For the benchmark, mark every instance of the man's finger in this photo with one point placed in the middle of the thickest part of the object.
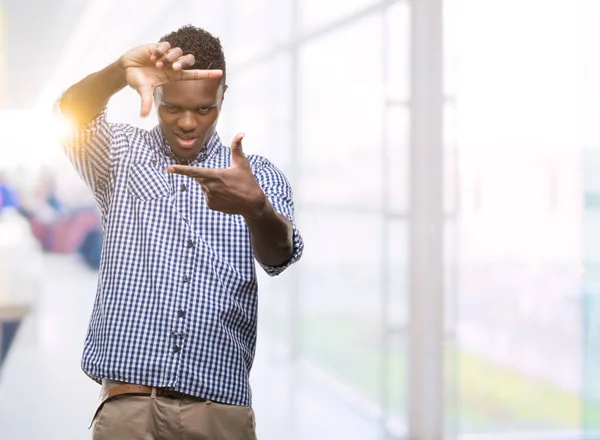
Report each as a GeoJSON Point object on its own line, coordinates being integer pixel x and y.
{"type": "Point", "coordinates": [194, 172]}
{"type": "Point", "coordinates": [171, 56]}
{"type": "Point", "coordinates": [187, 75]}
{"type": "Point", "coordinates": [183, 62]}
{"type": "Point", "coordinates": [160, 50]}
{"type": "Point", "coordinates": [146, 94]}
{"type": "Point", "coordinates": [237, 154]}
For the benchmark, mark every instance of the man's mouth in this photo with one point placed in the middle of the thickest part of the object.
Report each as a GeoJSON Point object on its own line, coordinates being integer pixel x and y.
{"type": "Point", "coordinates": [186, 141]}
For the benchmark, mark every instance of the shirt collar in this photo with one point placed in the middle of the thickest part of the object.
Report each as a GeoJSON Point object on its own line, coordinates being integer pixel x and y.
{"type": "Point", "coordinates": [210, 147]}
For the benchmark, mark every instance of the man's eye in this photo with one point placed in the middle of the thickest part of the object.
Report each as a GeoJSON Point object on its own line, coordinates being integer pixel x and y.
{"type": "Point", "coordinates": [170, 108]}
{"type": "Point", "coordinates": [204, 110]}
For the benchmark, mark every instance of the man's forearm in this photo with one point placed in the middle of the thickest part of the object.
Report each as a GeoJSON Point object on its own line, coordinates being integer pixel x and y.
{"type": "Point", "coordinates": [272, 237]}
{"type": "Point", "coordinates": [84, 100]}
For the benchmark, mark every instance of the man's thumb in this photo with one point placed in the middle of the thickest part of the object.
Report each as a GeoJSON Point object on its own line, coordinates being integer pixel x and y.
{"type": "Point", "coordinates": [237, 154]}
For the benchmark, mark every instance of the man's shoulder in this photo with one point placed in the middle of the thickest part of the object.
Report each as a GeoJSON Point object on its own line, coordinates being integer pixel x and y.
{"type": "Point", "coordinates": [264, 166]}
{"type": "Point", "coordinates": [140, 136]}
{"type": "Point", "coordinates": [258, 161]}
{"type": "Point", "coordinates": [141, 130]}
{"type": "Point", "coordinates": [266, 171]}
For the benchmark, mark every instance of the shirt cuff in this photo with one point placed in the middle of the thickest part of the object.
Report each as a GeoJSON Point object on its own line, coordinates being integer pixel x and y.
{"type": "Point", "coordinates": [298, 249]}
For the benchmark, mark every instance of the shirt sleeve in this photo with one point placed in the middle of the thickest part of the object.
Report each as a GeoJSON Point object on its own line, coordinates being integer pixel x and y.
{"type": "Point", "coordinates": [279, 192]}
{"type": "Point", "coordinates": [94, 149]}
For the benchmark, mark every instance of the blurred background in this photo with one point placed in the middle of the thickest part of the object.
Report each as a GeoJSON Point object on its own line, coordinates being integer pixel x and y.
{"type": "Point", "coordinates": [445, 158]}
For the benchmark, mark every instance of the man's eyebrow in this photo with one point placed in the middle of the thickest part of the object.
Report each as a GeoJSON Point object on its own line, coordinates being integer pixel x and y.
{"type": "Point", "coordinates": [170, 104]}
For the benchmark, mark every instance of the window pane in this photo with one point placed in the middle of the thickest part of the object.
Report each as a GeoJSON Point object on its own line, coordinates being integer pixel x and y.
{"type": "Point", "coordinates": [397, 275]}
{"type": "Point", "coordinates": [591, 327]}
{"type": "Point", "coordinates": [451, 161]}
{"type": "Point", "coordinates": [315, 13]}
{"type": "Point", "coordinates": [397, 52]}
{"type": "Point", "coordinates": [451, 290]}
{"type": "Point", "coordinates": [258, 104]}
{"type": "Point", "coordinates": [395, 351]}
{"type": "Point", "coordinates": [520, 226]}
{"type": "Point", "coordinates": [591, 279]}
{"type": "Point", "coordinates": [591, 293]}
{"type": "Point", "coordinates": [255, 27]}
{"type": "Point", "coordinates": [397, 160]}
{"type": "Point", "coordinates": [520, 338]}
{"type": "Point", "coordinates": [340, 292]}
{"type": "Point", "coordinates": [452, 22]}
{"type": "Point", "coordinates": [341, 117]}
{"type": "Point", "coordinates": [397, 394]}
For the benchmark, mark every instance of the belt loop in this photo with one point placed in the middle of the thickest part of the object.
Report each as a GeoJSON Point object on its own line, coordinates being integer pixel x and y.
{"type": "Point", "coordinates": [153, 394]}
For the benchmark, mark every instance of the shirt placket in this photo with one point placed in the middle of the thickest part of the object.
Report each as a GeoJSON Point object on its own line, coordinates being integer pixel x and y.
{"type": "Point", "coordinates": [186, 277]}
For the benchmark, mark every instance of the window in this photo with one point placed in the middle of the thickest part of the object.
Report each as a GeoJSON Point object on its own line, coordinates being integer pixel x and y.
{"type": "Point", "coordinates": [341, 121]}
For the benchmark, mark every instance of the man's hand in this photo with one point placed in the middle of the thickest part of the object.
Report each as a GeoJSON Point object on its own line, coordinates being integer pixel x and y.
{"type": "Point", "coordinates": [233, 190]}
{"type": "Point", "coordinates": [147, 67]}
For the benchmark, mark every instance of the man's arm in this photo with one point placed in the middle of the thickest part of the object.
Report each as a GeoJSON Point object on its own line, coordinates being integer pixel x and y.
{"type": "Point", "coordinates": [272, 237]}
{"type": "Point", "coordinates": [90, 145]}
{"type": "Point", "coordinates": [143, 68]}
{"type": "Point", "coordinates": [83, 101]}
{"type": "Point", "coordinates": [264, 200]}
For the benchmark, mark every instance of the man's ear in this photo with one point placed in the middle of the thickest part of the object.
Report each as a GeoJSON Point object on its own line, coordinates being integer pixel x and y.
{"type": "Point", "coordinates": [157, 95]}
{"type": "Point", "coordinates": [225, 87]}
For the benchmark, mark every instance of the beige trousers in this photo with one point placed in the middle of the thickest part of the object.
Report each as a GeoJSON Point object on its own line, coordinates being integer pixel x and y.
{"type": "Point", "coordinates": [135, 417]}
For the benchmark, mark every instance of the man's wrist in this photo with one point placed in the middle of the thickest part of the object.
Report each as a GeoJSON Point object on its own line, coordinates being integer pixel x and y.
{"type": "Point", "coordinates": [119, 73]}
{"type": "Point", "coordinates": [259, 209]}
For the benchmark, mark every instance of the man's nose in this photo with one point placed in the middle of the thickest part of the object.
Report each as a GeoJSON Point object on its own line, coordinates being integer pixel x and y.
{"type": "Point", "coordinates": [187, 121]}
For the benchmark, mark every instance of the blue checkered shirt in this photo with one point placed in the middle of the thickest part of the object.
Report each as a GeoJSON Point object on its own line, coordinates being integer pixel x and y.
{"type": "Point", "coordinates": [176, 304]}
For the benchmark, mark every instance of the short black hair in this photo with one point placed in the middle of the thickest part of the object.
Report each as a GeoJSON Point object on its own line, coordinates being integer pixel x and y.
{"type": "Point", "coordinates": [205, 47]}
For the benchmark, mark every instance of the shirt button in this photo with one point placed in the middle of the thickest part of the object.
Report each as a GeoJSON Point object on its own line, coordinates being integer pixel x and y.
{"type": "Point", "coordinates": [181, 313]}
{"type": "Point", "coordinates": [183, 187]}
{"type": "Point", "coordinates": [190, 243]}
{"type": "Point", "coordinates": [186, 279]}
{"type": "Point", "coordinates": [176, 349]}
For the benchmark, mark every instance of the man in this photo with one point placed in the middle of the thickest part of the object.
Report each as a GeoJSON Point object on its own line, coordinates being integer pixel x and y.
{"type": "Point", "coordinates": [173, 330]}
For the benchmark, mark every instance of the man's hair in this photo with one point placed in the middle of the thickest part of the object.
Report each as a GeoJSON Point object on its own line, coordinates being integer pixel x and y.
{"type": "Point", "coordinates": [205, 47]}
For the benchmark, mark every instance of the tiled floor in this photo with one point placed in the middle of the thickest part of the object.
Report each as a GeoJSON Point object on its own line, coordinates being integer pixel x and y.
{"type": "Point", "coordinates": [44, 395]}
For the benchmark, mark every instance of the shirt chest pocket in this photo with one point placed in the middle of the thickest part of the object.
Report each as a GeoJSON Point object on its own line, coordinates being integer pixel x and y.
{"type": "Point", "coordinates": [147, 182]}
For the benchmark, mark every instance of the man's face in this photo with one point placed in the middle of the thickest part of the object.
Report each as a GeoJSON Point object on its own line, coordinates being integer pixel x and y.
{"type": "Point", "coordinates": [188, 112]}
